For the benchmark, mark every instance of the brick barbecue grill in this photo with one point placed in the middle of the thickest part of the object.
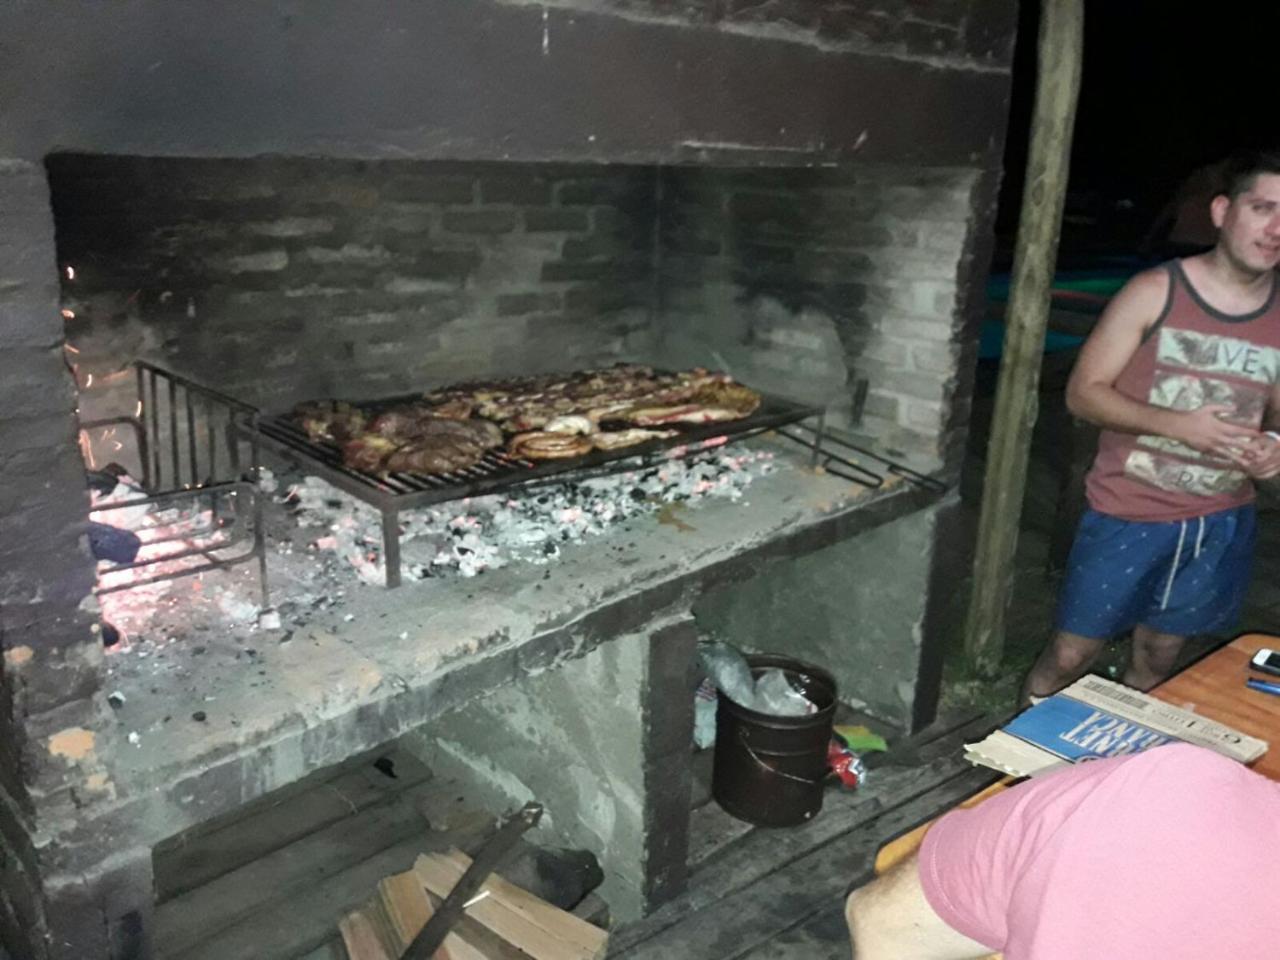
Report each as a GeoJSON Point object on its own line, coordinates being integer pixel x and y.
{"type": "Point", "coordinates": [283, 201]}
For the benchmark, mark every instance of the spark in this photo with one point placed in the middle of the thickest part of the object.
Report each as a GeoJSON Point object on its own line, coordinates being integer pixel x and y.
{"type": "Point", "coordinates": [69, 314]}
{"type": "Point", "coordinates": [86, 450]}
{"type": "Point", "coordinates": [88, 381]}
{"type": "Point", "coordinates": [69, 348]}
{"type": "Point", "coordinates": [71, 272]}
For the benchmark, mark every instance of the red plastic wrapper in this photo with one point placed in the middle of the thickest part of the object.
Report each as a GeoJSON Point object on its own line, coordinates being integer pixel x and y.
{"type": "Point", "coordinates": [845, 764]}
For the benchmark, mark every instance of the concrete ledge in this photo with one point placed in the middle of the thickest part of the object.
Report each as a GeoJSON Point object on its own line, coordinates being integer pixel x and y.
{"type": "Point", "coordinates": [339, 688]}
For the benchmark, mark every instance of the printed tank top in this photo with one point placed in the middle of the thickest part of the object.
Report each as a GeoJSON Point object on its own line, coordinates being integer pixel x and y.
{"type": "Point", "coordinates": [1193, 356]}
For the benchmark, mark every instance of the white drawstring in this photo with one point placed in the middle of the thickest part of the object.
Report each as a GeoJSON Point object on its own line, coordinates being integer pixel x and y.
{"type": "Point", "coordinates": [1199, 539]}
{"type": "Point", "coordinates": [1177, 555]}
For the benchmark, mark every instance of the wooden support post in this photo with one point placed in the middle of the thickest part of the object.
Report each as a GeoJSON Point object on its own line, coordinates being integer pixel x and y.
{"type": "Point", "coordinates": [1057, 87]}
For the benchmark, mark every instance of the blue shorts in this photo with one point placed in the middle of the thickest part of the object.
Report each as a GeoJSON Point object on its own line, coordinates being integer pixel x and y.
{"type": "Point", "coordinates": [1185, 577]}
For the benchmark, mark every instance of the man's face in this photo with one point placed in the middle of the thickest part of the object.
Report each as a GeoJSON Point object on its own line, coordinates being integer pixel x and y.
{"type": "Point", "coordinates": [1249, 225]}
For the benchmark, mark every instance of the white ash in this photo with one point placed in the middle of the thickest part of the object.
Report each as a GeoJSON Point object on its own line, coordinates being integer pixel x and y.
{"type": "Point", "coordinates": [472, 535]}
{"type": "Point", "coordinates": [322, 545]}
{"type": "Point", "coordinates": [165, 528]}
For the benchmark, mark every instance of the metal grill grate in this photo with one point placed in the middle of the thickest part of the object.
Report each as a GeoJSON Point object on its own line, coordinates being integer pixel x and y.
{"type": "Point", "coordinates": [188, 444]}
{"type": "Point", "coordinates": [496, 472]}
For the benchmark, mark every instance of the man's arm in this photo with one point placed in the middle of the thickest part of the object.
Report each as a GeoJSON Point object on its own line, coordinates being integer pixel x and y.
{"type": "Point", "coordinates": [890, 919]}
{"type": "Point", "coordinates": [1091, 392]}
{"type": "Point", "coordinates": [1264, 454]}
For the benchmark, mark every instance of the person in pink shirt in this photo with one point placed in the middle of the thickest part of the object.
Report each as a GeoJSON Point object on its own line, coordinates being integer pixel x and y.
{"type": "Point", "coordinates": [1170, 854]}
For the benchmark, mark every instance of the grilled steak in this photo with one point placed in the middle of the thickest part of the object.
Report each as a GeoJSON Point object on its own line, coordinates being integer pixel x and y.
{"type": "Point", "coordinates": [552, 416]}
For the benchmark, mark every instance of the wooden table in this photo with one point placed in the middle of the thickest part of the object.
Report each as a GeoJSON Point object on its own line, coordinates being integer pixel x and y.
{"type": "Point", "coordinates": [1214, 687]}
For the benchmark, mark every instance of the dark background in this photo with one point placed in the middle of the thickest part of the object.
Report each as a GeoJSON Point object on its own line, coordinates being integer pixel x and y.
{"type": "Point", "coordinates": [1166, 87]}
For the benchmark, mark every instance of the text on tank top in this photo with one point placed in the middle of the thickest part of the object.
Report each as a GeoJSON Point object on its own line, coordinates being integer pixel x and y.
{"type": "Point", "coordinates": [1193, 356]}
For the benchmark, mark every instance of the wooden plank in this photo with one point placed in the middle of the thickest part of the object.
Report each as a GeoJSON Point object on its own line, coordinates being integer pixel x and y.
{"type": "Point", "coordinates": [331, 949]}
{"type": "Point", "coordinates": [824, 936]}
{"type": "Point", "coordinates": [407, 905]}
{"type": "Point", "coordinates": [481, 938]}
{"type": "Point", "coordinates": [764, 851]}
{"type": "Point", "coordinates": [404, 906]}
{"type": "Point", "coordinates": [286, 816]}
{"type": "Point", "coordinates": [263, 886]}
{"type": "Point", "coordinates": [305, 920]}
{"type": "Point", "coordinates": [899, 848]}
{"type": "Point", "coordinates": [1061, 43]}
{"type": "Point", "coordinates": [712, 831]}
{"type": "Point", "coordinates": [399, 909]}
{"type": "Point", "coordinates": [588, 938]}
{"type": "Point", "coordinates": [362, 938]}
{"type": "Point", "coordinates": [1215, 688]}
{"type": "Point", "coordinates": [749, 917]}
{"type": "Point", "coordinates": [306, 861]}
{"type": "Point", "coordinates": [537, 928]}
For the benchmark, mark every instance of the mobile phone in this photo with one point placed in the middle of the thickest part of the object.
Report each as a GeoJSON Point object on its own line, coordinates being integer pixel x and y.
{"type": "Point", "coordinates": [1266, 661]}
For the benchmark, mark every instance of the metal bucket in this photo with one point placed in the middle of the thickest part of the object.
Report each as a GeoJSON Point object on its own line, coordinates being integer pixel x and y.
{"type": "Point", "coordinates": [770, 770]}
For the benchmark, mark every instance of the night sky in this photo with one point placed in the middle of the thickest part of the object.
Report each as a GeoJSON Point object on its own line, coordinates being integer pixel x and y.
{"type": "Point", "coordinates": [1165, 89]}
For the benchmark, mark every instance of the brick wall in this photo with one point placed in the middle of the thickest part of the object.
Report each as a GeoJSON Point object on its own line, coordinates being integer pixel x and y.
{"type": "Point", "coordinates": [279, 280]}
{"type": "Point", "coordinates": [50, 668]}
{"type": "Point", "coordinates": [812, 282]}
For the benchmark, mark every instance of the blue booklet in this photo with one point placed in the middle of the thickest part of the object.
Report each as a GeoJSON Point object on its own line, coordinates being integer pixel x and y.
{"type": "Point", "coordinates": [1096, 718]}
{"type": "Point", "coordinates": [1076, 731]}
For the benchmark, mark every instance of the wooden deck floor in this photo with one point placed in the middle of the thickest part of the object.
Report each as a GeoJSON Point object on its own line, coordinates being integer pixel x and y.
{"type": "Point", "coordinates": [272, 883]}
{"type": "Point", "coordinates": [779, 894]}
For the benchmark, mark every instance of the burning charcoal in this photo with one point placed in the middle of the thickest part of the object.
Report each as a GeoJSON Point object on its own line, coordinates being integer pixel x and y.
{"type": "Point", "coordinates": [112, 543]}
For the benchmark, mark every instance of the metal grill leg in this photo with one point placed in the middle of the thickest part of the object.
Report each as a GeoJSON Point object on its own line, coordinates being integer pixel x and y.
{"type": "Point", "coordinates": [391, 546]}
{"type": "Point", "coordinates": [817, 440]}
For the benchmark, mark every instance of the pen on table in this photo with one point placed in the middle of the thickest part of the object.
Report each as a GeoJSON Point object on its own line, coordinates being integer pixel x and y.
{"type": "Point", "coordinates": [1255, 684]}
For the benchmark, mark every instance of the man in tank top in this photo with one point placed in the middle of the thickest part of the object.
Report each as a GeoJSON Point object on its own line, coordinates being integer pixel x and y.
{"type": "Point", "coordinates": [1181, 374]}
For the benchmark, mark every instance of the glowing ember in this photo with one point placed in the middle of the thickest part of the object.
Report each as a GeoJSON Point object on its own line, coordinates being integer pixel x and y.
{"type": "Point", "coordinates": [69, 314]}
{"type": "Point", "coordinates": [71, 272]}
{"type": "Point", "coordinates": [164, 531]}
{"type": "Point", "coordinates": [483, 533]}
{"type": "Point", "coordinates": [323, 544]}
